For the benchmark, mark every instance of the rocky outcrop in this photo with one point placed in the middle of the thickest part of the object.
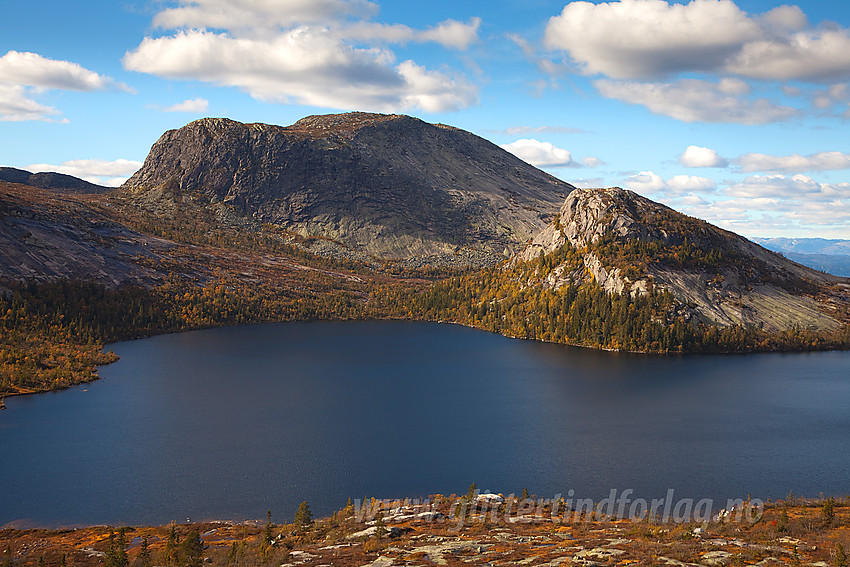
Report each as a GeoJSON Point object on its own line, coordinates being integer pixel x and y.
{"type": "Point", "coordinates": [585, 217]}
{"type": "Point", "coordinates": [389, 185]}
{"type": "Point", "coordinates": [735, 281]}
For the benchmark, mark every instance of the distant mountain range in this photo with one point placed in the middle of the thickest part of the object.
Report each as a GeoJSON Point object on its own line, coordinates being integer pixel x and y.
{"type": "Point", "coordinates": [823, 246]}
{"type": "Point", "coordinates": [828, 255]}
{"type": "Point", "coordinates": [50, 180]}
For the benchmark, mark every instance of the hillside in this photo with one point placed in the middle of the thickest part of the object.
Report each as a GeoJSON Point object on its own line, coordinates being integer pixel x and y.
{"type": "Point", "coordinates": [46, 236]}
{"type": "Point", "coordinates": [75, 274]}
{"type": "Point", "coordinates": [617, 271]}
{"type": "Point", "coordinates": [207, 234]}
{"type": "Point", "coordinates": [490, 529]}
{"type": "Point", "coordinates": [390, 186]}
{"type": "Point", "coordinates": [629, 243]}
{"type": "Point", "coordinates": [58, 182]}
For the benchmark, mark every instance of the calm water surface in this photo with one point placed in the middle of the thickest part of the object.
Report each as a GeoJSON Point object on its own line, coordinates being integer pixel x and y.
{"type": "Point", "coordinates": [227, 423]}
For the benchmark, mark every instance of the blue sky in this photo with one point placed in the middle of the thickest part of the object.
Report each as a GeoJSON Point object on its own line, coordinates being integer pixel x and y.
{"type": "Point", "coordinates": [736, 112]}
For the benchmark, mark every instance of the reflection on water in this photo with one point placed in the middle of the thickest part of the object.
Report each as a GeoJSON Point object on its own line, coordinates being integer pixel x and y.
{"type": "Point", "coordinates": [227, 423]}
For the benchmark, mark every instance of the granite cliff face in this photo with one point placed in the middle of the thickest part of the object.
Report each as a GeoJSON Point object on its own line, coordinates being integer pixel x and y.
{"type": "Point", "coordinates": [388, 185]}
{"type": "Point", "coordinates": [630, 244]}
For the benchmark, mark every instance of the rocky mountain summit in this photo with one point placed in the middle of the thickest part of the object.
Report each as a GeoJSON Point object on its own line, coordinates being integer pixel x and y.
{"type": "Point", "coordinates": [391, 186]}
{"type": "Point", "coordinates": [630, 243]}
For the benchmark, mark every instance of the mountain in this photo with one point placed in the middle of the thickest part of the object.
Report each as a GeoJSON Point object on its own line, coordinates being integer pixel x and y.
{"type": "Point", "coordinates": [390, 186]}
{"type": "Point", "coordinates": [58, 182]}
{"type": "Point", "coordinates": [629, 243]}
{"type": "Point", "coordinates": [835, 264]}
{"type": "Point", "coordinates": [822, 246]}
{"type": "Point", "coordinates": [827, 255]}
{"type": "Point", "coordinates": [617, 271]}
{"type": "Point", "coordinates": [365, 216]}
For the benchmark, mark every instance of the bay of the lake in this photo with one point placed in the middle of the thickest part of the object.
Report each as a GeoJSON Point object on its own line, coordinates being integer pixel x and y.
{"type": "Point", "coordinates": [227, 423]}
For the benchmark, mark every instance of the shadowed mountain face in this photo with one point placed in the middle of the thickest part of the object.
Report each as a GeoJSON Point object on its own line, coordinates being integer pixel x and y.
{"type": "Point", "coordinates": [388, 185]}
{"type": "Point", "coordinates": [58, 182]}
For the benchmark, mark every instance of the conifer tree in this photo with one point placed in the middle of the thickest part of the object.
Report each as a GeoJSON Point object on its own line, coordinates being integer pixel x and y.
{"type": "Point", "coordinates": [144, 553]}
{"type": "Point", "coordinates": [233, 556]}
{"type": "Point", "coordinates": [192, 550]}
{"type": "Point", "coordinates": [840, 556]}
{"type": "Point", "coordinates": [172, 552]}
{"type": "Point", "coordinates": [121, 559]}
{"type": "Point", "coordinates": [303, 516]}
{"type": "Point", "coordinates": [266, 544]}
{"type": "Point", "coordinates": [783, 521]}
{"type": "Point", "coordinates": [828, 511]}
{"type": "Point", "coordinates": [380, 527]}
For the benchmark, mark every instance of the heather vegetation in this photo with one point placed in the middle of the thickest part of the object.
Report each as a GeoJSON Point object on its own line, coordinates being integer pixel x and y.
{"type": "Point", "coordinates": [469, 530]}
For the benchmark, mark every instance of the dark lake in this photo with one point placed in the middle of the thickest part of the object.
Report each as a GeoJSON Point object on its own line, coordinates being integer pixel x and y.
{"type": "Point", "coordinates": [227, 423]}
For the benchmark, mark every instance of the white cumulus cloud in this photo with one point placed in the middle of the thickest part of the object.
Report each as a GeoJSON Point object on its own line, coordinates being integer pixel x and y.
{"type": "Point", "coordinates": [778, 205]}
{"type": "Point", "coordinates": [325, 53]}
{"type": "Point", "coordinates": [33, 70]}
{"type": "Point", "coordinates": [820, 161]}
{"type": "Point", "coordinates": [646, 183]}
{"type": "Point", "coordinates": [452, 33]}
{"type": "Point", "coordinates": [634, 39]}
{"type": "Point", "coordinates": [648, 52]}
{"type": "Point", "coordinates": [540, 154]}
{"type": "Point", "coordinates": [101, 172]}
{"type": "Point", "coordinates": [794, 187]}
{"type": "Point", "coordinates": [195, 105]}
{"type": "Point", "coordinates": [649, 183]}
{"type": "Point", "coordinates": [591, 161]}
{"type": "Point", "coordinates": [698, 156]}
{"type": "Point", "coordinates": [689, 184]}
{"type": "Point", "coordinates": [648, 39]}
{"type": "Point", "coordinates": [18, 105]}
{"type": "Point", "coordinates": [696, 100]}
{"type": "Point", "coordinates": [255, 16]}
{"type": "Point", "coordinates": [25, 75]}
{"type": "Point", "coordinates": [815, 55]}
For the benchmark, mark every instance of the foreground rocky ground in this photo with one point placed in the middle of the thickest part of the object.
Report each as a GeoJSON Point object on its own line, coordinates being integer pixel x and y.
{"type": "Point", "coordinates": [812, 533]}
